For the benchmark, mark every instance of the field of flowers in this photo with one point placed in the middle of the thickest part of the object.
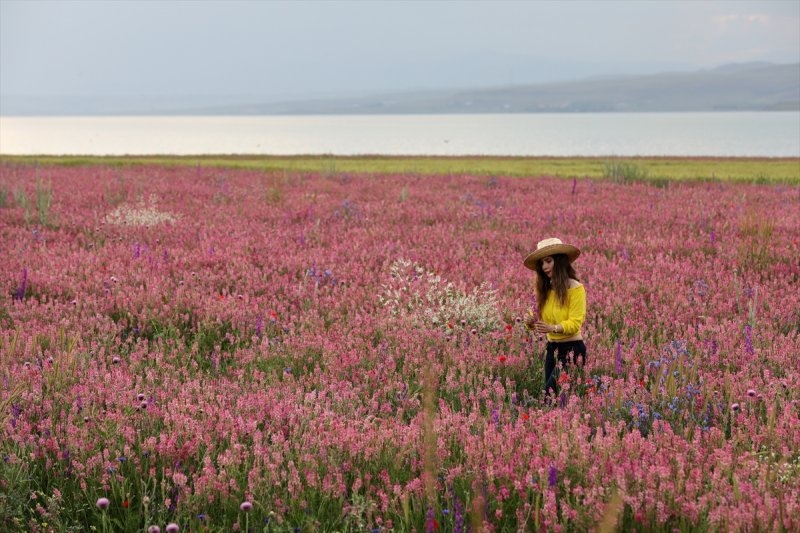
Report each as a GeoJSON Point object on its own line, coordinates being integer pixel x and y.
{"type": "Point", "coordinates": [195, 349]}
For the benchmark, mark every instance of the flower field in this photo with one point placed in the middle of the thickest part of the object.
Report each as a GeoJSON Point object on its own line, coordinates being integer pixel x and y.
{"type": "Point", "coordinates": [196, 349]}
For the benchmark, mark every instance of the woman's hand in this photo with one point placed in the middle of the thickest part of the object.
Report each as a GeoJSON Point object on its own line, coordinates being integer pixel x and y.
{"type": "Point", "coordinates": [542, 327]}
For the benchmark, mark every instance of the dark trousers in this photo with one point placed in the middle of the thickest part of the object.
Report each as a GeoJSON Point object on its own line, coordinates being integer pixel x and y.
{"type": "Point", "coordinates": [562, 351]}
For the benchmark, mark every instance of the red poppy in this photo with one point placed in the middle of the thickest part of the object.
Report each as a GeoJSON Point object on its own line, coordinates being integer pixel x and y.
{"type": "Point", "coordinates": [525, 416]}
{"type": "Point", "coordinates": [563, 378]}
{"type": "Point", "coordinates": [502, 358]}
{"type": "Point", "coordinates": [509, 327]}
{"type": "Point", "coordinates": [125, 504]}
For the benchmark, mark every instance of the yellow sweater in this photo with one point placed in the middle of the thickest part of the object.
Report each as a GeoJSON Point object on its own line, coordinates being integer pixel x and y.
{"type": "Point", "coordinates": [570, 316]}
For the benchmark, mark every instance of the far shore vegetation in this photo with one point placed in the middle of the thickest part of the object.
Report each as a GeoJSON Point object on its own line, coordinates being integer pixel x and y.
{"type": "Point", "coordinates": [784, 170]}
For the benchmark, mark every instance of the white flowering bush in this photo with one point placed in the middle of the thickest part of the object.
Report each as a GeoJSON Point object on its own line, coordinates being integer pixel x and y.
{"type": "Point", "coordinates": [139, 215]}
{"type": "Point", "coordinates": [426, 299]}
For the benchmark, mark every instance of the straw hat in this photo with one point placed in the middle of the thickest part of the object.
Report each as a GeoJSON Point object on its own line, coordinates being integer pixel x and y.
{"type": "Point", "coordinates": [548, 247]}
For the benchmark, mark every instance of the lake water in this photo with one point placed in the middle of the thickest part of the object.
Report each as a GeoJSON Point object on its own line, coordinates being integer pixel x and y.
{"type": "Point", "coordinates": [751, 134]}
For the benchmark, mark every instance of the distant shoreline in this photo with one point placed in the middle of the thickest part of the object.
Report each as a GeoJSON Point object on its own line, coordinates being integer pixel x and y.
{"type": "Point", "coordinates": [365, 113]}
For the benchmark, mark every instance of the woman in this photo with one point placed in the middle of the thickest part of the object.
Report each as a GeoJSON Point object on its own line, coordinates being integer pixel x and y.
{"type": "Point", "coordinates": [561, 301]}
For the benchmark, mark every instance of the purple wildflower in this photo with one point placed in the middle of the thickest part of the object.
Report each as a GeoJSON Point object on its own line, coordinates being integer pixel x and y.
{"type": "Point", "coordinates": [16, 410]}
{"type": "Point", "coordinates": [748, 339]}
{"type": "Point", "coordinates": [458, 516]}
{"type": "Point", "coordinates": [562, 400]}
{"type": "Point", "coordinates": [19, 294]}
{"type": "Point", "coordinates": [430, 521]}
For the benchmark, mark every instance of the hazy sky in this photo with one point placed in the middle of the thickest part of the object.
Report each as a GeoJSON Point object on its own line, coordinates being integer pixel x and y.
{"type": "Point", "coordinates": [278, 49]}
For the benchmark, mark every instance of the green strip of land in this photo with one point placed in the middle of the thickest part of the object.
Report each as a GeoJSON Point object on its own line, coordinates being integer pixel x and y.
{"type": "Point", "coordinates": [658, 169]}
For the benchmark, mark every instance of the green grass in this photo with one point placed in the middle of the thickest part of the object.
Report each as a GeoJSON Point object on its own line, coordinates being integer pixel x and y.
{"type": "Point", "coordinates": [656, 169]}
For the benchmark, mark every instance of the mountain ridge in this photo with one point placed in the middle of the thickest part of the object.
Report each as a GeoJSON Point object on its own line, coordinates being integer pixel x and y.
{"type": "Point", "coordinates": [754, 86]}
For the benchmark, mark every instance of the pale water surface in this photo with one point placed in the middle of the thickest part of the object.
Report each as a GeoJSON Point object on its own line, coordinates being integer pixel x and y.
{"type": "Point", "coordinates": [757, 134]}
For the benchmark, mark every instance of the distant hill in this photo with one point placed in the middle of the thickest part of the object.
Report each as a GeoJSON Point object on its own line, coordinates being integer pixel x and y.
{"type": "Point", "coordinates": [742, 87]}
{"type": "Point", "coordinates": [735, 87]}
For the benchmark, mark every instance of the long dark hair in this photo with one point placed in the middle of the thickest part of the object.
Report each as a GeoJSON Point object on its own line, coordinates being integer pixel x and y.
{"type": "Point", "coordinates": [562, 273]}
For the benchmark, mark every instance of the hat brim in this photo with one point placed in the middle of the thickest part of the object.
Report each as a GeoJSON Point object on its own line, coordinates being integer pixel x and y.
{"type": "Point", "coordinates": [570, 251]}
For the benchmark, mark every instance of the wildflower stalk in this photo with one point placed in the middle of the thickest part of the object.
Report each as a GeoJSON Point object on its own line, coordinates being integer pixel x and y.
{"type": "Point", "coordinates": [22, 200]}
{"type": "Point", "coordinates": [44, 198]}
{"type": "Point", "coordinates": [429, 437]}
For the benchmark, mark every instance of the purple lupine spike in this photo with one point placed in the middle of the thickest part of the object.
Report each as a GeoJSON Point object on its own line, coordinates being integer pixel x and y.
{"type": "Point", "coordinates": [458, 516]}
{"type": "Point", "coordinates": [748, 339]}
{"type": "Point", "coordinates": [15, 412]}
{"type": "Point", "coordinates": [552, 476]}
{"type": "Point", "coordinates": [19, 294]}
{"type": "Point", "coordinates": [562, 400]}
